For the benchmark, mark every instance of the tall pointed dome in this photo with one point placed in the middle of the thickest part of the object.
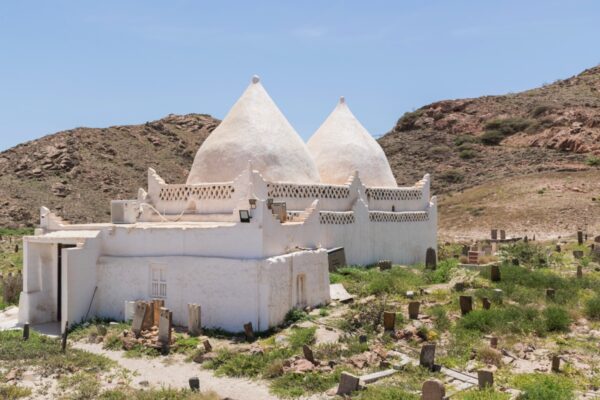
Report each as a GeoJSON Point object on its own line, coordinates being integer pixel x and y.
{"type": "Point", "coordinates": [342, 146]}
{"type": "Point", "coordinates": [254, 130]}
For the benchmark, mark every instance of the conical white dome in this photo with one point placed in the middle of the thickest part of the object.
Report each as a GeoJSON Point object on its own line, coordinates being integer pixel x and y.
{"type": "Point", "coordinates": [254, 130]}
{"type": "Point", "coordinates": [342, 146]}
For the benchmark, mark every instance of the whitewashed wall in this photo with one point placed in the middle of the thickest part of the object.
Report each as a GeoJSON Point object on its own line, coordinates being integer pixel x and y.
{"type": "Point", "coordinates": [231, 292]}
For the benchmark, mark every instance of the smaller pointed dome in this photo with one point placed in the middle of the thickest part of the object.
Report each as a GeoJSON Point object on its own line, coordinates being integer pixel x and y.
{"type": "Point", "coordinates": [254, 130]}
{"type": "Point", "coordinates": [342, 146]}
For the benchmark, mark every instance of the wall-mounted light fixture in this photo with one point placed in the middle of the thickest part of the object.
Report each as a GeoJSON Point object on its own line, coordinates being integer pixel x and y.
{"type": "Point", "coordinates": [245, 216]}
{"type": "Point", "coordinates": [252, 203]}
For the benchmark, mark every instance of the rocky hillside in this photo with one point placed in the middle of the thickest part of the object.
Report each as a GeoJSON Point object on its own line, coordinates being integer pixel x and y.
{"type": "Point", "coordinates": [465, 143]}
{"type": "Point", "coordinates": [549, 136]}
{"type": "Point", "coordinates": [77, 172]}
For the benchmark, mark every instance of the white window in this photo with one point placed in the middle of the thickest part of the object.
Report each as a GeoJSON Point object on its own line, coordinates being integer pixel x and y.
{"type": "Point", "coordinates": [158, 280]}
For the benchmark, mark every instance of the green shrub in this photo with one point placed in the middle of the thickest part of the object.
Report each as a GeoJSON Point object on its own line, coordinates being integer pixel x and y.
{"type": "Point", "coordinates": [487, 394]}
{"type": "Point", "coordinates": [492, 138]}
{"type": "Point", "coordinates": [544, 387]}
{"type": "Point", "coordinates": [301, 336]}
{"type": "Point", "coordinates": [508, 126]}
{"type": "Point", "coordinates": [593, 161]}
{"type": "Point", "coordinates": [451, 176]}
{"type": "Point", "coordinates": [380, 392]}
{"type": "Point", "coordinates": [465, 139]}
{"type": "Point", "coordinates": [440, 318]}
{"type": "Point", "coordinates": [295, 315]}
{"type": "Point", "coordinates": [12, 392]}
{"type": "Point", "coordinates": [592, 308]}
{"type": "Point", "coordinates": [557, 319]}
{"type": "Point", "coordinates": [442, 273]}
{"type": "Point", "coordinates": [541, 109]}
{"type": "Point", "coordinates": [527, 253]}
{"type": "Point", "coordinates": [296, 385]}
{"type": "Point", "coordinates": [467, 154]}
{"type": "Point", "coordinates": [510, 319]}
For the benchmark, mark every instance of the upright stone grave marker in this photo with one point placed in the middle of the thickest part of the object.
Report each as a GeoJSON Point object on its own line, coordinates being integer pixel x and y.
{"type": "Point", "coordinates": [389, 320]}
{"type": "Point", "coordinates": [384, 265]}
{"type": "Point", "coordinates": [427, 356]}
{"type": "Point", "coordinates": [348, 383]}
{"type": "Point", "coordinates": [502, 234]}
{"type": "Point", "coordinates": [485, 378]}
{"type": "Point", "coordinates": [194, 319]}
{"type": "Point", "coordinates": [555, 363]}
{"type": "Point", "coordinates": [433, 390]}
{"type": "Point", "coordinates": [494, 234]}
{"type": "Point", "coordinates": [248, 331]}
{"type": "Point", "coordinates": [430, 259]}
{"type": "Point", "coordinates": [413, 309]}
{"type": "Point", "coordinates": [164, 327]}
{"type": "Point", "coordinates": [495, 273]}
{"type": "Point", "coordinates": [579, 271]}
{"type": "Point", "coordinates": [157, 304]}
{"type": "Point", "coordinates": [466, 304]}
{"type": "Point", "coordinates": [139, 315]}
{"type": "Point", "coordinates": [580, 237]}
{"type": "Point", "coordinates": [485, 303]}
{"type": "Point", "coordinates": [308, 354]}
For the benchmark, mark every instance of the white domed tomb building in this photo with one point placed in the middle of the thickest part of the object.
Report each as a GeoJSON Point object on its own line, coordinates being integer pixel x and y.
{"type": "Point", "coordinates": [246, 237]}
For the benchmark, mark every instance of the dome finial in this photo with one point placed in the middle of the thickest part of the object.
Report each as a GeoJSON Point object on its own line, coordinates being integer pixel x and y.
{"type": "Point", "coordinates": [255, 79]}
{"type": "Point", "coordinates": [342, 99]}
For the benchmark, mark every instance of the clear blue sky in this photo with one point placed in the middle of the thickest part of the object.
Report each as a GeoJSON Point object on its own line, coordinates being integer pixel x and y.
{"type": "Point", "coordinates": [65, 64]}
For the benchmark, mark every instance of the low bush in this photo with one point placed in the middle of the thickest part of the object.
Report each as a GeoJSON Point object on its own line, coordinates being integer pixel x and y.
{"type": "Point", "coordinates": [452, 176]}
{"type": "Point", "coordinates": [463, 139]}
{"type": "Point", "coordinates": [13, 392]}
{"type": "Point", "coordinates": [487, 394]}
{"type": "Point", "coordinates": [467, 154]}
{"type": "Point", "coordinates": [510, 319]}
{"type": "Point", "coordinates": [380, 392]}
{"type": "Point", "coordinates": [544, 387]}
{"type": "Point", "coordinates": [296, 385]}
{"type": "Point", "coordinates": [593, 161]}
{"type": "Point", "coordinates": [295, 315]}
{"type": "Point", "coordinates": [492, 138]}
{"type": "Point", "coordinates": [13, 351]}
{"type": "Point", "coordinates": [592, 308]}
{"type": "Point", "coordinates": [557, 319]}
{"type": "Point", "coordinates": [508, 126]}
{"type": "Point", "coordinates": [442, 273]}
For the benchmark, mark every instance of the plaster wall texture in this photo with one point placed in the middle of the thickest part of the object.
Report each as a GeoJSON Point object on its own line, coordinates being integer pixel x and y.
{"type": "Point", "coordinates": [38, 301]}
{"type": "Point", "coordinates": [254, 130]}
{"type": "Point", "coordinates": [231, 292]}
{"type": "Point", "coordinates": [342, 146]}
{"type": "Point", "coordinates": [232, 240]}
{"type": "Point", "coordinates": [79, 281]}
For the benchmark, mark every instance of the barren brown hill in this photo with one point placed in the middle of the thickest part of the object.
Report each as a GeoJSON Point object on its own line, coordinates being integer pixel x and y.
{"type": "Point", "coordinates": [77, 172]}
{"type": "Point", "coordinates": [495, 161]}
{"type": "Point", "coordinates": [527, 162]}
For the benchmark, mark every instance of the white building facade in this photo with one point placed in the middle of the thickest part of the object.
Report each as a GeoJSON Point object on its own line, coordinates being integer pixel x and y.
{"type": "Point", "coordinates": [246, 237]}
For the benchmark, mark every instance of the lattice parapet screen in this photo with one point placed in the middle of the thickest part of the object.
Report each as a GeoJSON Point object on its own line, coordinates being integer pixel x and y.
{"type": "Point", "coordinates": [412, 216]}
{"type": "Point", "coordinates": [394, 194]}
{"type": "Point", "coordinates": [338, 218]}
{"type": "Point", "coordinates": [204, 192]}
{"type": "Point", "coordinates": [289, 190]}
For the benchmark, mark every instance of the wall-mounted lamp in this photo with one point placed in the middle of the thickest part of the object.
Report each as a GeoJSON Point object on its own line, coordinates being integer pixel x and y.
{"type": "Point", "coordinates": [245, 216]}
{"type": "Point", "coordinates": [252, 203]}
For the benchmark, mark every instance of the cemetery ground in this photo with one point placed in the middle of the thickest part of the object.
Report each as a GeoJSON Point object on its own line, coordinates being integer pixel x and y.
{"type": "Point", "coordinates": [515, 333]}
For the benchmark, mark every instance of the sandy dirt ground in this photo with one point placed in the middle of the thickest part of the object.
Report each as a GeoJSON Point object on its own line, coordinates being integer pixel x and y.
{"type": "Point", "coordinates": [174, 372]}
